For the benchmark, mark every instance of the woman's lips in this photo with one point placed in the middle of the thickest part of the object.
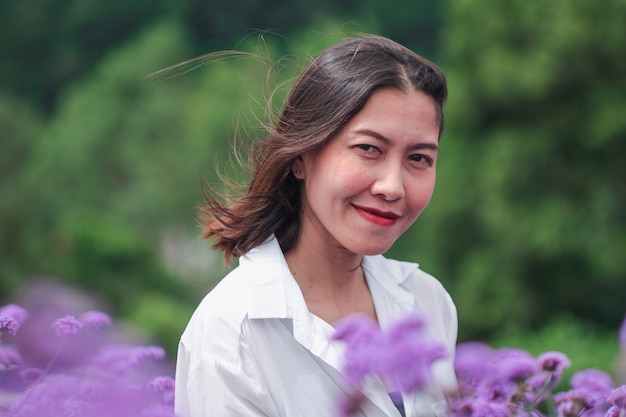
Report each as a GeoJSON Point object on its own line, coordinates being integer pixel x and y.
{"type": "Point", "coordinates": [381, 218]}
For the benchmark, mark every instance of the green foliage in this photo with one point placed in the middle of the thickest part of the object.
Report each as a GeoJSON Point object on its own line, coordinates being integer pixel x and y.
{"type": "Point", "coordinates": [529, 217]}
{"type": "Point", "coordinates": [585, 344]}
{"type": "Point", "coordinates": [97, 160]}
{"type": "Point", "coordinates": [96, 180]}
{"type": "Point", "coordinates": [94, 191]}
{"type": "Point", "coordinates": [160, 317]}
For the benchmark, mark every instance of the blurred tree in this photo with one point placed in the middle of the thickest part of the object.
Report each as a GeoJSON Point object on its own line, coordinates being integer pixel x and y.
{"type": "Point", "coordinates": [95, 192]}
{"type": "Point", "coordinates": [529, 217]}
{"type": "Point", "coordinates": [416, 24]}
{"type": "Point", "coordinates": [20, 124]}
{"type": "Point", "coordinates": [47, 44]}
{"type": "Point", "coordinates": [82, 204]}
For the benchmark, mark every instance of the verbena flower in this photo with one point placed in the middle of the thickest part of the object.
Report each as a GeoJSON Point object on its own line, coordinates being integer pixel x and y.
{"type": "Point", "coordinates": [614, 411]}
{"type": "Point", "coordinates": [592, 381]}
{"type": "Point", "coordinates": [9, 324]}
{"type": "Point", "coordinates": [165, 386]}
{"type": "Point", "coordinates": [363, 340]}
{"type": "Point", "coordinates": [617, 397]}
{"type": "Point", "coordinates": [554, 362]}
{"type": "Point", "coordinates": [572, 403]}
{"type": "Point", "coordinates": [552, 365]}
{"type": "Point", "coordinates": [122, 359]}
{"type": "Point", "coordinates": [479, 407]}
{"type": "Point", "coordinates": [85, 376]}
{"type": "Point", "coordinates": [512, 365]}
{"type": "Point", "coordinates": [590, 391]}
{"type": "Point", "coordinates": [157, 410]}
{"type": "Point", "coordinates": [67, 326]}
{"type": "Point", "coordinates": [409, 353]}
{"type": "Point", "coordinates": [9, 357]}
{"type": "Point", "coordinates": [12, 317]}
{"type": "Point", "coordinates": [95, 320]}
{"type": "Point", "coordinates": [403, 353]}
{"type": "Point", "coordinates": [492, 382]}
{"type": "Point", "coordinates": [470, 361]}
{"type": "Point", "coordinates": [30, 375]}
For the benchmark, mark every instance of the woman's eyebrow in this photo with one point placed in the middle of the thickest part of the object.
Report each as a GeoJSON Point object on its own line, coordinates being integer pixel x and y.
{"type": "Point", "coordinates": [386, 140]}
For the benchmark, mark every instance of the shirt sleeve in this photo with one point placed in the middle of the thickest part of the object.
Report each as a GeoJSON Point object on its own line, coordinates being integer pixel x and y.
{"type": "Point", "coordinates": [207, 387]}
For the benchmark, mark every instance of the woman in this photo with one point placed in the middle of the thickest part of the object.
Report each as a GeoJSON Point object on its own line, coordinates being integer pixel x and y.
{"type": "Point", "coordinates": [348, 167]}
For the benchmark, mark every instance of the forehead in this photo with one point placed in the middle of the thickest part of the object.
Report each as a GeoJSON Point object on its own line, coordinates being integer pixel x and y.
{"type": "Point", "coordinates": [398, 111]}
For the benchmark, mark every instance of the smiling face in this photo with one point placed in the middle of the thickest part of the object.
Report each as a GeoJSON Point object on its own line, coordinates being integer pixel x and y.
{"type": "Point", "coordinates": [373, 179]}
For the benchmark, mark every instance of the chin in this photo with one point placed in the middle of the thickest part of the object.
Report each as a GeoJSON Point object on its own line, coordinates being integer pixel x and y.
{"type": "Point", "coordinates": [372, 250]}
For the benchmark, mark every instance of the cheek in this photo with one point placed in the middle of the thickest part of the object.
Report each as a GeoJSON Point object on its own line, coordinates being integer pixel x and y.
{"type": "Point", "coordinates": [350, 181]}
{"type": "Point", "coordinates": [337, 178]}
{"type": "Point", "coordinates": [418, 195]}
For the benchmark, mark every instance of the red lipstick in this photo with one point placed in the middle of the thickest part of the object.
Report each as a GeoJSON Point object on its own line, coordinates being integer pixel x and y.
{"type": "Point", "coordinates": [381, 218]}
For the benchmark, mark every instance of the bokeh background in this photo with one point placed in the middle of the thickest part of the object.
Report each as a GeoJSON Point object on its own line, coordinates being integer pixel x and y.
{"type": "Point", "coordinates": [101, 165]}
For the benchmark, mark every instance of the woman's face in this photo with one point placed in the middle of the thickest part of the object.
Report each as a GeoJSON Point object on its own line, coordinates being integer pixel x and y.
{"type": "Point", "coordinates": [369, 183]}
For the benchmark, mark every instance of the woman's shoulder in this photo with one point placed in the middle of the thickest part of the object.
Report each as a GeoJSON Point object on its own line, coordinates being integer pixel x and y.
{"type": "Point", "coordinates": [254, 289]}
{"type": "Point", "coordinates": [219, 315]}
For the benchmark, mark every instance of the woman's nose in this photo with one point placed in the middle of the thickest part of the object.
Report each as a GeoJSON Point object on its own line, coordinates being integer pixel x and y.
{"type": "Point", "coordinates": [388, 183]}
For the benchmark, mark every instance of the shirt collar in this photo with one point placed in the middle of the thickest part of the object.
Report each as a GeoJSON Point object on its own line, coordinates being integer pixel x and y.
{"type": "Point", "coordinates": [390, 275]}
{"type": "Point", "coordinates": [274, 293]}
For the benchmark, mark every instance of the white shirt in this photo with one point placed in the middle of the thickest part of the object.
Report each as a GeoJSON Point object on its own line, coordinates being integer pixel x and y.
{"type": "Point", "coordinates": [252, 348]}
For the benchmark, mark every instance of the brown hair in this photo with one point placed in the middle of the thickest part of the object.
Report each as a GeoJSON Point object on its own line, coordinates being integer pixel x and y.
{"type": "Point", "coordinates": [331, 90]}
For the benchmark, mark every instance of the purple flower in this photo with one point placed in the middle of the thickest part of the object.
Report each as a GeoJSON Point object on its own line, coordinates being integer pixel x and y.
{"type": "Point", "coordinates": [617, 397]}
{"type": "Point", "coordinates": [157, 410]}
{"type": "Point", "coordinates": [513, 365]}
{"type": "Point", "coordinates": [165, 386]}
{"type": "Point", "coordinates": [407, 326]}
{"type": "Point", "coordinates": [614, 411]}
{"type": "Point", "coordinates": [555, 362]}
{"type": "Point", "coordinates": [471, 361]}
{"type": "Point", "coordinates": [66, 326]}
{"type": "Point", "coordinates": [573, 402]}
{"type": "Point", "coordinates": [12, 317]}
{"type": "Point", "coordinates": [409, 354]}
{"type": "Point", "coordinates": [479, 407]}
{"type": "Point", "coordinates": [592, 380]}
{"type": "Point", "coordinates": [402, 353]}
{"type": "Point", "coordinates": [87, 377]}
{"type": "Point", "coordinates": [9, 357]}
{"type": "Point", "coordinates": [9, 324]}
{"type": "Point", "coordinates": [593, 385]}
{"type": "Point", "coordinates": [30, 375]}
{"type": "Point", "coordinates": [146, 353]}
{"type": "Point", "coordinates": [496, 390]}
{"type": "Point", "coordinates": [95, 320]}
{"type": "Point", "coordinates": [622, 335]}
{"type": "Point", "coordinates": [121, 359]}
{"type": "Point", "coordinates": [541, 381]}
{"type": "Point", "coordinates": [161, 384]}
{"type": "Point", "coordinates": [363, 346]}
{"type": "Point", "coordinates": [552, 364]}
{"type": "Point", "coordinates": [356, 329]}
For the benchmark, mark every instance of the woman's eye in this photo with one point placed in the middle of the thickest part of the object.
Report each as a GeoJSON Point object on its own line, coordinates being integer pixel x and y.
{"type": "Point", "coordinates": [421, 159]}
{"type": "Point", "coordinates": [367, 148]}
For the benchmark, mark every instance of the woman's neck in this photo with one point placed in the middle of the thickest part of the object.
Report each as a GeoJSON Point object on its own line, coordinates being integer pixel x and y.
{"type": "Point", "coordinates": [332, 280]}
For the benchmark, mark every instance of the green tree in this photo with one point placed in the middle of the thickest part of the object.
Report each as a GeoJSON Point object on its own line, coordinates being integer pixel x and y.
{"type": "Point", "coordinates": [96, 180]}
{"type": "Point", "coordinates": [528, 220]}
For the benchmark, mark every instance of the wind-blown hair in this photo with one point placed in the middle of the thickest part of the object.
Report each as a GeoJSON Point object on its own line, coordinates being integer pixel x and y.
{"type": "Point", "coordinates": [332, 89]}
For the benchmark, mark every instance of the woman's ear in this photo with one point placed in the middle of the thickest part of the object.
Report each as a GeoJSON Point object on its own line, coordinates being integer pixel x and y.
{"type": "Point", "coordinates": [298, 168]}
